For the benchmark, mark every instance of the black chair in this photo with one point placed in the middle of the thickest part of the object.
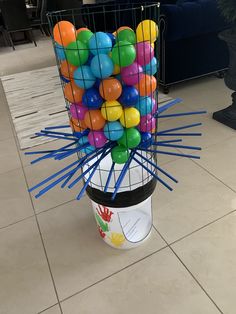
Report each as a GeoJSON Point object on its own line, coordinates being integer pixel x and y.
{"type": "Point", "coordinates": [40, 19]}
{"type": "Point", "coordinates": [15, 19]}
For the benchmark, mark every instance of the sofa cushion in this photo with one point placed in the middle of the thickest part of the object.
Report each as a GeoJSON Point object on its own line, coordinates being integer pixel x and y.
{"type": "Point", "coordinates": [192, 18]}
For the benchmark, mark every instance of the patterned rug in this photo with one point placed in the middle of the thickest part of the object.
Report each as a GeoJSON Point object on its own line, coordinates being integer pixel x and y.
{"type": "Point", "coordinates": [35, 100]}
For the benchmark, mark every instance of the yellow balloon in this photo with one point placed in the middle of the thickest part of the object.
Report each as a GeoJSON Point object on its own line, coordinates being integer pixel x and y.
{"type": "Point", "coordinates": [111, 110]}
{"type": "Point", "coordinates": [147, 30]}
{"type": "Point", "coordinates": [130, 117]}
{"type": "Point", "coordinates": [116, 69]}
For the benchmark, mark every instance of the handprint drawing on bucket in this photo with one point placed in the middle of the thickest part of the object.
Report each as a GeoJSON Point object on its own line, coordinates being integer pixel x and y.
{"type": "Point", "coordinates": [104, 213]}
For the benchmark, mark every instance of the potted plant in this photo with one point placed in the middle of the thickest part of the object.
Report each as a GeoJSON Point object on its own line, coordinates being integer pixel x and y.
{"type": "Point", "coordinates": [227, 116]}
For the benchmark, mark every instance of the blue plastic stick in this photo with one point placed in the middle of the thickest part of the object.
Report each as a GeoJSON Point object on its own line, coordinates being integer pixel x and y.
{"type": "Point", "coordinates": [86, 171]}
{"type": "Point", "coordinates": [154, 175]}
{"type": "Point", "coordinates": [171, 115]}
{"type": "Point", "coordinates": [109, 177]}
{"type": "Point", "coordinates": [168, 105]}
{"type": "Point", "coordinates": [179, 128]}
{"type": "Point", "coordinates": [55, 136]}
{"type": "Point", "coordinates": [57, 127]}
{"type": "Point", "coordinates": [91, 175]}
{"type": "Point", "coordinates": [71, 152]}
{"type": "Point", "coordinates": [181, 134]}
{"type": "Point", "coordinates": [122, 175]}
{"type": "Point", "coordinates": [158, 168]}
{"type": "Point", "coordinates": [52, 176]}
{"type": "Point", "coordinates": [169, 141]}
{"type": "Point", "coordinates": [56, 133]}
{"type": "Point", "coordinates": [178, 146]}
{"type": "Point", "coordinates": [169, 153]}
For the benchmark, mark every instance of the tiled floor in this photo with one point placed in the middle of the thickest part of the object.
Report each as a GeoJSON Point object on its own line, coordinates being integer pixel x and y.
{"type": "Point", "coordinates": [52, 260]}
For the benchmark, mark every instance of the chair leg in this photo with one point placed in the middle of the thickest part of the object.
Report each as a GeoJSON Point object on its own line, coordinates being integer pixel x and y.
{"type": "Point", "coordinates": [32, 37]}
{"type": "Point", "coordinates": [10, 40]}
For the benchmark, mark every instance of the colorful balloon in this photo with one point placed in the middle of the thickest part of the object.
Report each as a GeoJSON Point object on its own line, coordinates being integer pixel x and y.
{"type": "Point", "coordinates": [122, 28]}
{"type": "Point", "coordinates": [84, 36]}
{"type": "Point", "coordinates": [76, 53]}
{"type": "Point", "coordinates": [113, 130]}
{"type": "Point", "coordinates": [131, 138]}
{"type": "Point", "coordinates": [129, 96]}
{"type": "Point", "coordinates": [81, 29]}
{"type": "Point", "coordinates": [152, 67]}
{"type": "Point", "coordinates": [147, 85]}
{"type": "Point", "coordinates": [116, 69]}
{"type": "Point", "coordinates": [145, 105]}
{"type": "Point", "coordinates": [131, 74]}
{"type": "Point", "coordinates": [60, 52]}
{"type": "Point", "coordinates": [83, 140]}
{"type": "Point", "coordinates": [77, 125]}
{"type": "Point", "coordinates": [84, 77]}
{"type": "Point", "coordinates": [126, 35]}
{"type": "Point", "coordinates": [147, 30]}
{"type": "Point", "coordinates": [102, 66]}
{"type": "Point", "coordinates": [147, 123]}
{"type": "Point", "coordinates": [123, 53]}
{"type": "Point", "coordinates": [120, 154]}
{"type": "Point", "coordinates": [94, 120]}
{"type": "Point", "coordinates": [64, 33]}
{"type": "Point", "coordinates": [92, 98]}
{"type": "Point", "coordinates": [110, 89]}
{"type": "Point", "coordinates": [146, 139]}
{"type": "Point", "coordinates": [67, 70]}
{"type": "Point", "coordinates": [112, 37]}
{"type": "Point", "coordinates": [97, 139]}
{"type": "Point", "coordinates": [73, 93]}
{"type": "Point", "coordinates": [78, 111]}
{"type": "Point", "coordinates": [111, 110]}
{"type": "Point", "coordinates": [100, 43]}
{"type": "Point", "coordinates": [130, 117]}
{"type": "Point", "coordinates": [144, 53]}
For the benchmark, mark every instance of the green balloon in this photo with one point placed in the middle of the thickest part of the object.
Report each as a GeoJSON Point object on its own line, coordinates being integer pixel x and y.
{"type": "Point", "coordinates": [131, 138]}
{"type": "Point", "coordinates": [77, 53]}
{"type": "Point", "coordinates": [123, 53]}
{"type": "Point", "coordinates": [127, 35]}
{"type": "Point", "coordinates": [84, 36]}
{"type": "Point", "coordinates": [120, 154]}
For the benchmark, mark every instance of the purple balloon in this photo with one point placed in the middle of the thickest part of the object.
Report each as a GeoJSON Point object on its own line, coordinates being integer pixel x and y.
{"type": "Point", "coordinates": [97, 138]}
{"type": "Point", "coordinates": [155, 106]}
{"type": "Point", "coordinates": [132, 74]}
{"type": "Point", "coordinates": [144, 53]}
{"type": "Point", "coordinates": [147, 123]}
{"type": "Point", "coordinates": [78, 111]}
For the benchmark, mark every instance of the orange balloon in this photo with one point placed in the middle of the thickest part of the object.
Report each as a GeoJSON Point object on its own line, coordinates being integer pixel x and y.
{"type": "Point", "coordinates": [77, 125]}
{"type": "Point", "coordinates": [94, 120]}
{"type": "Point", "coordinates": [122, 28]}
{"type": "Point", "coordinates": [110, 89]}
{"type": "Point", "coordinates": [147, 85]}
{"type": "Point", "coordinates": [67, 69]}
{"type": "Point", "coordinates": [73, 93]}
{"type": "Point", "coordinates": [64, 33]}
{"type": "Point", "coordinates": [81, 29]}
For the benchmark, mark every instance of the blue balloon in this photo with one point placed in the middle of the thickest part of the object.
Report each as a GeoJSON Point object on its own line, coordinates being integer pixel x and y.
{"type": "Point", "coordinates": [84, 77]}
{"type": "Point", "coordinates": [152, 67]}
{"type": "Point", "coordinates": [92, 99]}
{"type": "Point", "coordinates": [129, 96]}
{"type": "Point", "coordinates": [102, 66]}
{"type": "Point", "coordinates": [144, 105]}
{"type": "Point", "coordinates": [113, 130]}
{"type": "Point", "coordinates": [78, 134]}
{"type": "Point", "coordinates": [60, 52]}
{"type": "Point", "coordinates": [97, 83]}
{"type": "Point", "coordinates": [90, 58]}
{"type": "Point", "coordinates": [146, 139]}
{"type": "Point", "coordinates": [100, 43]}
{"type": "Point", "coordinates": [83, 140]}
{"type": "Point", "coordinates": [112, 37]}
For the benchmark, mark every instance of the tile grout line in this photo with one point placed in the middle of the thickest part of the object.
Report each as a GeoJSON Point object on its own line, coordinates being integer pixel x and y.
{"type": "Point", "coordinates": [191, 274]}
{"type": "Point", "coordinates": [48, 308]}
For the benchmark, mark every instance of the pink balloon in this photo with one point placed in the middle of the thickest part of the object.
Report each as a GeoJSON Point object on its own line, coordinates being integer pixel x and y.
{"type": "Point", "coordinates": [132, 74]}
{"type": "Point", "coordinates": [155, 106]}
{"type": "Point", "coordinates": [78, 111]}
{"type": "Point", "coordinates": [145, 53]}
{"type": "Point", "coordinates": [97, 138]}
{"type": "Point", "coordinates": [147, 123]}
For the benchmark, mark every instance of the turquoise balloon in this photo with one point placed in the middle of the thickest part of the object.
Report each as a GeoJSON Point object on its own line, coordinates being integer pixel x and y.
{"type": "Point", "coordinates": [60, 52]}
{"type": "Point", "coordinates": [84, 77]}
{"type": "Point", "coordinates": [144, 105]}
{"type": "Point", "coordinates": [83, 140]}
{"type": "Point", "coordinates": [100, 43]}
{"type": "Point", "coordinates": [152, 67]}
{"type": "Point", "coordinates": [102, 66]}
{"type": "Point", "coordinates": [113, 130]}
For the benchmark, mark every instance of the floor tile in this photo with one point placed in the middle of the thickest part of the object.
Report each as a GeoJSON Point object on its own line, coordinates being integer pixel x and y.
{"type": "Point", "coordinates": [197, 199]}
{"type": "Point", "coordinates": [9, 158]}
{"type": "Point", "coordinates": [156, 285]}
{"type": "Point", "coordinates": [42, 170]}
{"type": "Point", "coordinates": [26, 285]}
{"type": "Point", "coordinates": [210, 255]}
{"type": "Point", "coordinates": [5, 128]}
{"type": "Point", "coordinates": [15, 202]}
{"type": "Point", "coordinates": [220, 161]}
{"type": "Point", "coordinates": [53, 310]}
{"type": "Point", "coordinates": [77, 255]}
